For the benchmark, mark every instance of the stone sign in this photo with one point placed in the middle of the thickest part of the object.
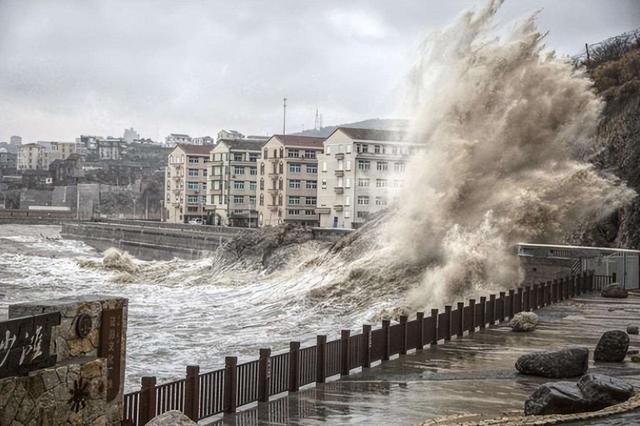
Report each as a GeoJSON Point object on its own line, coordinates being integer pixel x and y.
{"type": "Point", "coordinates": [25, 344]}
{"type": "Point", "coordinates": [110, 348]}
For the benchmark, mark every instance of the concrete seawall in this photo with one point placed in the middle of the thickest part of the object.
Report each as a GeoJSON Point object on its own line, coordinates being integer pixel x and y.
{"type": "Point", "coordinates": [156, 240]}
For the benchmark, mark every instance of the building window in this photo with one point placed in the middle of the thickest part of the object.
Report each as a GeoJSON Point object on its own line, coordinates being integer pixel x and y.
{"type": "Point", "coordinates": [238, 184]}
{"type": "Point", "coordinates": [294, 183]}
{"type": "Point", "coordinates": [380, 201]}
{"type": "Point", "coordinates": [382, 166]}
{"type": "Point", "coordinates": [280, 183]}
{"type": "Point", "coordinates": [266, 153]}
{"type": "Point", "coordinates": [309, 154]}
{"type": "Point", "coordinates": [238, 170]}
{"type": "Point", "coordinates": [252, 200]}
{"type": "Point", "coordinates": [294, 168]}
{"type": "Point", "coordinates": [324, 184]}
{"type": "Point", "coordinates": [253, 157]}
{"type": "Point", "coordinates": [398, 167]}
{"type": "Point", "coordinates": [262, 184]}
{"type": "Point", "coordinates": [363, 200]}
{"type": "Point", "coordinates": [253, 171]}
{"type": "Point", "coordinates": [261, 169]}
{"type": "Point", "coordinates": [237, 156]}
{"type": "Point", "coordinates": [294, 212]}
{"type": "Point", "coordinates": [194, 186]}
{"type": "Point", "coordinates": [280, 199]}
{"type": "Point", "coordinates": [363, 182]}
{"type": "Point", "coordinates": [362, 148]}
{"type": "Point", "coordinates": [312, 184]}
{"type": "Point", "coordinates": [376, 149]}
{"type": "Point", "coordinates": [348, 148]}
{"type": "Point", "coordinates": [193, 173]}
{"type": "Point", "coordinates": [192, 199]}
{"type": "Point", "coordinates": [294, 200]}
{"type": "Point", "coordinates": [193, 160]}
{"type": "Point", "coordinates": [252, 186]}
{"type": "Point", "coordinates": [310, 201]}
{"type": "Point", "coordinates": [293, 153]}
{"type": "Point", "coordinates": [364, 164]}
{"type": "Point", "coordinates": [347, 200]}
{"type": "Point", "coordinates": [362, 215]}
{"type": "Point", "coordinates": [238, 199]}
{"type": "Point", "coordinates": [381, 183]}
{"type": "Point", "coordinates": [312, 168]}
{"type": "Point", "coordinates": [262, 199]}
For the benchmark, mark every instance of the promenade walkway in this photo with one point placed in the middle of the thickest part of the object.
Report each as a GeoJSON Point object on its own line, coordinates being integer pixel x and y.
{"type": "Point", "coordinates": [471, 375]}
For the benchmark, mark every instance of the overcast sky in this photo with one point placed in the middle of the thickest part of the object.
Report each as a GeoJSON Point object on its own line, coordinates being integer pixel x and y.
{"type": "Point", "coordinates": [95, 67]}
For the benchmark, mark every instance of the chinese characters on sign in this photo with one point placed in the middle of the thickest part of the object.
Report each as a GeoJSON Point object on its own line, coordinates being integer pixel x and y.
{"type": "Point", "coordinates": [25, 344]}
{"type": "Point", "coordinates": [110, 348]}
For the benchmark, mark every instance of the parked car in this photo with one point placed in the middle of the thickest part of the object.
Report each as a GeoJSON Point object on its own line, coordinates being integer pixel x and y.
{"type": "Point", "coordinates": [196, 221]}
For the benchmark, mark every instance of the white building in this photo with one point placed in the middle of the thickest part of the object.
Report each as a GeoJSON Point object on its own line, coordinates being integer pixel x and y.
{"type": "Point", "coordinates": [229, 134]}
{"type": "Point", "coordinates": [130, 135]}
{"type": "Point", "coordinates": [177, 138]}
{"type": "Point", "coordinates": [186, 183]}
{"type": "Point", "coordinates": [203, 140]}
{"type": "Point", "coordinates": [359, 173]}
{"type": "Point", "coordinates": [15, 140]}
{"type": "Point", "coordinates": [38, 156]}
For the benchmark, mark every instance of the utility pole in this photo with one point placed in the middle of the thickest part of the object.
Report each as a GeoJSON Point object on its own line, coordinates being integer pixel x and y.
{"type": "Point", "coordinates": [284, 116]}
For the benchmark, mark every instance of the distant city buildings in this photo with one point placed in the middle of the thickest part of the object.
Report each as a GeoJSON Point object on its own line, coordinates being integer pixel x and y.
{"type": "Point", "coordinates": [177, 138]}
{"type": "Point", "coordinates": [99, 148]}
{"type": "Point", "coordinates": [15, 140]}
{"type": "Point", "coordinates": [288, 180]}
{"type": "Point", "coordinates": [231, 193]}
{"type": "Point", "coordinates": [203, 140]}
{"type": "Point", "coordinates": [186, 183]}
{"type": "Point", "coordinates": [8, 161]}
{"type": "Point", "coordinates": [229, 134]}
{"type": "Point", "coordinates": [38, 156]}
{"type": "Point", "coordinates": [130, 135]}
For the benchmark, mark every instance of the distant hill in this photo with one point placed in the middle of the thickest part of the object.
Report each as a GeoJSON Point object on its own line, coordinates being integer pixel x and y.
{"type": "Point", "coordinates": [373, 123]}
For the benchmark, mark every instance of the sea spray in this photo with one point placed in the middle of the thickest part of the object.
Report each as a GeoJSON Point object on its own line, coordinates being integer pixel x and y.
{"type": "Point", "coordinates": [507, 129]}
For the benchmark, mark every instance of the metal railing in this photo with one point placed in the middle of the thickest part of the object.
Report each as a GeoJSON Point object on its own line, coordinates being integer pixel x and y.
{"type": "Point", "coordinates": [222, 391]}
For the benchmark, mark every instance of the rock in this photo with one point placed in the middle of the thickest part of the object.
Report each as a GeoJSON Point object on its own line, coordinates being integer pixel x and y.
{"type": "Point", "coordinates": [602, 390]}
{"type": "Point", "coordinates": [633, 329]}
{"type": "Point", "coordinates": [612, 347]}
{"type": "Point", "coordinates": [615, 291]}
{"type": "Point", "coordinates": [557, 364]}
{"type": "Point", "coordinates": [524, 321]}
{"type": "Point", "coordinates": [556, 398]}
{"type": "Point", "coordinates": [171, 418]}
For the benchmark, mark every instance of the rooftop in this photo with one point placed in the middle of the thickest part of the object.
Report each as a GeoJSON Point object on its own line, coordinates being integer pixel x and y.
{"type": "Point", "coordinates": [243, 144]}
{"type": "Point", "coordinates": [195, 149]}
{"type": "Point", "coordinates": [301, 141]}
{"type": "Point", "coordinates": [373, 134]}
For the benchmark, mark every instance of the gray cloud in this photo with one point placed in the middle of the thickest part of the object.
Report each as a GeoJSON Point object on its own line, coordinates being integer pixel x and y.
{"type": "Point", "coordinates": [71, 67]}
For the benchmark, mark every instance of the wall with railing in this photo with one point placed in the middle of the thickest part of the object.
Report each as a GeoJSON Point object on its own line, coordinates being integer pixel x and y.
{"type": "Point", "coordinates": [202, 395]}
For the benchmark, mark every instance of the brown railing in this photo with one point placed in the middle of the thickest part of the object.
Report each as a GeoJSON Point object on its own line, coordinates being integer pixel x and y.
{"type": "Point", "coordinates": [203, 395]}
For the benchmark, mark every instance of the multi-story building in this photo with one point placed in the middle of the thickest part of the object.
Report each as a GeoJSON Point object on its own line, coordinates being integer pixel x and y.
{"type": "Point", "coordinates": [288, 180]}
{"type": "Point", "coordinates": [30, 156]}
{"type": "Point", "coordinates": [177, 138]}
{"type": "Point", "coordinates": [229, 134]}
{"type": "Point", "coordinates": [186, 183]}
{"type": "Point", "coordinates": [232, 185]}
{"type": "Point", "coordinates": [359, 173]}
{"type": "Point", "coordinates": [130, 135]}
{"type": "Point", "coordinates": [15, 140]}
{"type": "Point", "coordinates": [203, 140]}
{"type": "Point", "coordinates": [99, 148]}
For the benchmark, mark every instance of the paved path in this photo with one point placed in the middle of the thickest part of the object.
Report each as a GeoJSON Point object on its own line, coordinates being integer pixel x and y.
{"type": "Point", "coordinates": [471, 375]}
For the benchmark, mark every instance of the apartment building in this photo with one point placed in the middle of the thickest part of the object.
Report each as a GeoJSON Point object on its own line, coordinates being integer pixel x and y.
{"type": "Point", "coordinates": [232, 183]}
{"type": "Point", "coordinates": [186, 183]}
{"type": "Point", "coordinates": [56, 151]}
{"type": "Point", "coordinates": [288, 180]}
{"type": "Point", "coordinates": [30, 156]}
{"type": "Point", "coordinates": [360, 172]}
{"type": "Point", "coordinates": [177, 138]}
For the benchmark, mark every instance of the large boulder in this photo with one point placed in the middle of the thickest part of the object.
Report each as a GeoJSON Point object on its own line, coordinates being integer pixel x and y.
{"type": "Point", "coordinates": [612, 346]}
{"type": "Point", "coordinates": [615, 291]}
{"type": "Point", "coordinates": [556, 398]}
{"type": "Point", "coordinates": [171, 418]}
{"type": "Point", "coordinates": [524, 321]}
{"type": "Point", "coordinates": [602, 391]}
{"type": "Point", "coordinates": [557, 364]}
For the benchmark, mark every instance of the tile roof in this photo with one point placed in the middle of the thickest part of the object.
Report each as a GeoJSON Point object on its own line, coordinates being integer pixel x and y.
{"type": "Point", "coordinates": [374, 134]}
{"type": "Point", "coordinates": [301, 141]}
{"type": "Point", "coordinates": [243, 144]}
{"type": "Point", "coordinates": [195, 149]}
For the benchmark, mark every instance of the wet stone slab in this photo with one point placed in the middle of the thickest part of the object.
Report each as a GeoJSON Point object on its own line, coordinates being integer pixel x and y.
{"type": "Point", "coordinates": [475, 374]}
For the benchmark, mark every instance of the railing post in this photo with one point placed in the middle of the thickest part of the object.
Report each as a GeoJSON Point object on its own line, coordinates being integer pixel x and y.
{"type": "Point", "coordinates": [492, 309]}
{"type": "Point", "coordinates": [420, 321]}
{"type": "Point", "coordinates": [585, 282]}
{"type": "Point", "coordinates": [534, 305]}
{"type": "Point", "coordinates": [520, 299]}
{"type": "Point", "coordinates": [403, 334]}
{"type": "Point", "coordinates": [264, 374]}
{"type": "Point", "coordinates": [526, 300]}
{"type": "Point", "coordinates": [230, 384]}
{"type": "Point", "coordinates": [483, 312]}
{"type": "Point", "coordinates": [366, 346]}
{"type": "Point", "coordinates": [561, 286]}
{"type": "Point", "coordinates": [192, 393]}
{"type": "Point", "coordinates": [502, 305]}
{"type": "Point", "coordinates": [434, 326]}
{"type": "Point", "coordinates": [547, 300]}
{"type": "Point", "coordinates": [345, 352]}
{"type": "Point", "coordinates": [321, 356]}
{"type": "Point", "coordinates": [447, 318]}
{"type": "Point", "coordinates": [147, 399]}
{"type": "Point", "coordinates": [386, 338]}
{"type": "Point", "coordinates": [294, 360]}
{"type": "Point", "coordinates": [460, 330]}
{"type": "Point", "coordinates": [512, 304]}
{"type": "Point", "coordinates": [554, 291]}
{"type": "Point", "coordinates": [613, 278]}
{"type": "Point", "coordinates": [472, 312]}
{"type": "Point", "coordinates": [591, 276]}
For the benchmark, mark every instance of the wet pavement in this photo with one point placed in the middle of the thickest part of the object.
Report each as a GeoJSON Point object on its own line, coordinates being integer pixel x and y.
{"type": "Point", "coordinates": [474, 374]}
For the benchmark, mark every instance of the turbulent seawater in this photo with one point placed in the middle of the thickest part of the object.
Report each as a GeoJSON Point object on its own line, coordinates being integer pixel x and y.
{"type": "Point", "coordinates": [183, 312]}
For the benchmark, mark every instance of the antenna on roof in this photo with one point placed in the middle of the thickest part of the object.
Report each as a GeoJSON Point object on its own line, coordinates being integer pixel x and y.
{"type": "Point", "coordinates": [316, 125]}
{"type": "Point", "coordinates": [284, 116]}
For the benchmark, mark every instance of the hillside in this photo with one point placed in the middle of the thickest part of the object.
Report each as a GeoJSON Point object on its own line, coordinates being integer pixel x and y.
{"type": "Point", "coordinates": [374, 123]}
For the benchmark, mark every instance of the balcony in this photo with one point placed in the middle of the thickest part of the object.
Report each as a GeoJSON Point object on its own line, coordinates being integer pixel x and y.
{"type": "Point", "coordinates": [338, 208]}
{"type": "Point", "coordinates": [339, 190]}
{"type": "Point", "coordinates": [339, 173]}
{"type": "Point", "coordinates": [323, 210]}
{"type": "Point", "coordinates": [340, 156]}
